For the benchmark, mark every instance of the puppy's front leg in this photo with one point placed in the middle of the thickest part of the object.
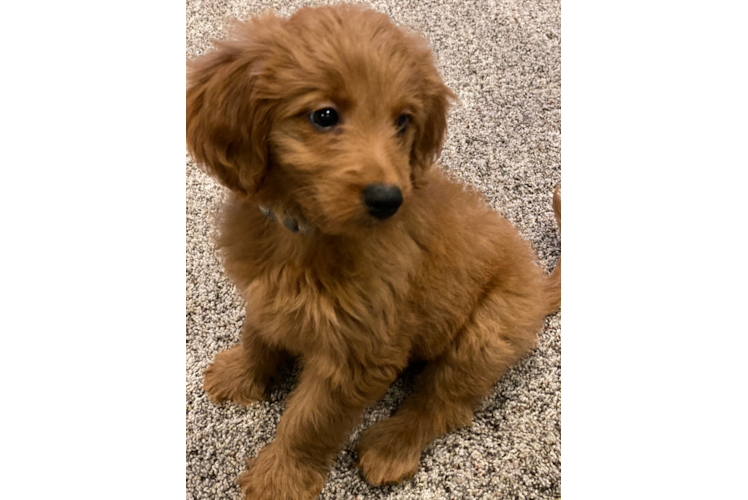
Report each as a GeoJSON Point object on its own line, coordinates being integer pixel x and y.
{"type": "Point", "coordinates": [320, 414]}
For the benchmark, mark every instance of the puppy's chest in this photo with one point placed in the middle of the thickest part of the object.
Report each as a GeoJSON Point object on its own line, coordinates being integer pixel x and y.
{"type": "Point", "coordinates": [303, 310]}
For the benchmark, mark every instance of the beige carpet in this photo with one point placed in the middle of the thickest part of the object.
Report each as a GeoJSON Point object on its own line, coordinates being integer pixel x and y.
{"type": "Point", "coordinates": [503, 60]}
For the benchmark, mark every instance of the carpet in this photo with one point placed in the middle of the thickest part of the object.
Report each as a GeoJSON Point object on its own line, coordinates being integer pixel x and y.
{"type": "Point", "coordinates": [503, 60]}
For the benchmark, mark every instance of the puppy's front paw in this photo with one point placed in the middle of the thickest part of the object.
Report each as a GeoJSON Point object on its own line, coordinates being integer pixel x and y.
{"type": "Point", "coordinates": [275, 476]}
{"type": "Point", "coordinates": [386, 456]}
{"type": "Point", "coordinates": [229, 378]}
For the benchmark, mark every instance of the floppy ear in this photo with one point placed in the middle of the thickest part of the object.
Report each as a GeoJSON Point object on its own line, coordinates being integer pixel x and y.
{"type": "Point", "coordinates": [228, 121]}
{"type": "Point", "coordinates": [433, 127]}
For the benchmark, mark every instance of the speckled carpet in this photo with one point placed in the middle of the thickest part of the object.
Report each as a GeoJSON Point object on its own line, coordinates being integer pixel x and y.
{"type": "Point", "coordinates": [503, 60]}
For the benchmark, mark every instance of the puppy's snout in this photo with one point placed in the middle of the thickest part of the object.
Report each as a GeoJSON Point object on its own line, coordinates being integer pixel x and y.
{"type": "Point", "coordinates": [381, 200]}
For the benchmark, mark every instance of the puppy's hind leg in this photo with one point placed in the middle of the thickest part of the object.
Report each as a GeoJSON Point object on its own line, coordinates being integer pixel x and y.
{"type": "Point", "coordinates": [242, 373]}
{"type": "Point", "coordinates": [449, 390]}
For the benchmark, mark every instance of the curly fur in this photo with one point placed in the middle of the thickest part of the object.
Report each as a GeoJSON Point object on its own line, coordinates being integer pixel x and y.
{"type": "Point", "coordinates": [445, 280]}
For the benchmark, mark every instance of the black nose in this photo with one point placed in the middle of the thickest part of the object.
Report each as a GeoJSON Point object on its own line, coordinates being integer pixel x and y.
{"type": "Point", "coordinates": [382, 201]}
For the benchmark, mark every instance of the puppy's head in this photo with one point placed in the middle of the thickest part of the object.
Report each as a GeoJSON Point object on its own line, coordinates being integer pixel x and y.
{"type": "Point", "coordinates": [334, 113]}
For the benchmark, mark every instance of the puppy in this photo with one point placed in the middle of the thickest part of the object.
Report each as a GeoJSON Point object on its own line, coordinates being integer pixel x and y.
{"type": "Point", "coordinates": [354, 252]}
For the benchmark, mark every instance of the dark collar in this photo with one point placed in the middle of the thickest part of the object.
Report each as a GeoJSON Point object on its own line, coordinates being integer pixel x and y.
{"type": "Point", "coordinates": [297, 225]}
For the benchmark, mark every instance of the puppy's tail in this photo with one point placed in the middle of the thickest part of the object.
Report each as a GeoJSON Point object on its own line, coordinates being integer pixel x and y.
{"type": "Point", "coordinates": [553, 286]}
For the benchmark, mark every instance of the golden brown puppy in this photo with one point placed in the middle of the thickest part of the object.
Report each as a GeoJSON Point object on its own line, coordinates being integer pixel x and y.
{"type": "Point", "coordinates": [353, 251]}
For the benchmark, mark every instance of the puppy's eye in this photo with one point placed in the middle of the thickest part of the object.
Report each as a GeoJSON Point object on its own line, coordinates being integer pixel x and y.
{"type": "Point", "coordinates": [324, 118]}
{"type": "Point", "coordinates": [402, 123]}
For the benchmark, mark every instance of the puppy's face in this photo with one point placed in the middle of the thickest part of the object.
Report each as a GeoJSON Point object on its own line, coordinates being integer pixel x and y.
{"type": "Point", "coordinates": [332, 114]}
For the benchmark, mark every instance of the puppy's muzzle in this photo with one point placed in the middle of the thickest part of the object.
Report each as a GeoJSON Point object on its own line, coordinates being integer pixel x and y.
{"type": "Point", "coordinates": [382, 201]}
